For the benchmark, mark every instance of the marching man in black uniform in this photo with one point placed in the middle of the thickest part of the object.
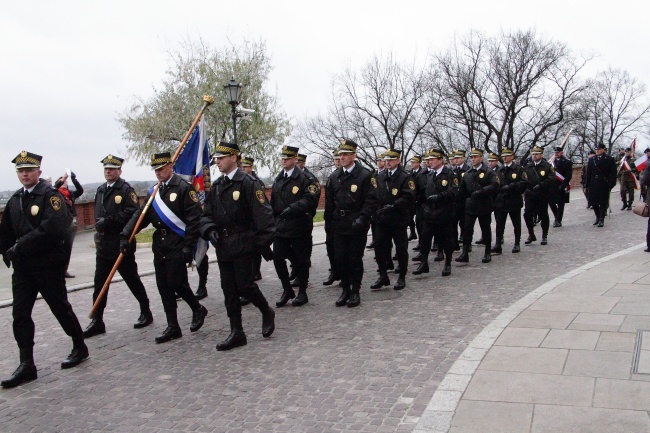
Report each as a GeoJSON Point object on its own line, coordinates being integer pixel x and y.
{"type": "Point", "coordinates": [115, 204]}
{"type": "Point", "coordinates": [541, 177]}
{"type": "Point", "coordinates": [415, 223]}
{"type": "Point", "coordinates": [238, 222]}
{"type": "Point", "coordinates": [460, 167]}
{"type": "Point", "coordinates": [294, 199]}
{"type": "Point", "coordinates": [560, 188]}
{"type": "Point", "coordinates": [32, 235]}
{"type": "Point", "coordinates": [395, 198]}
{"type": "Point", "coordinates": [438, 211]}
{"type": "Point", "coordinates": [328, 235]}
{"type": "Point", "coordinates": [509, 200]}
{"type": "Point", "coordinates": [600, 179]}
{"type": "Point", "coordinates": [478, 187]}
{"type": "Point", "coordinates": [350, 203]}
{"type": "Point", "coordinates": [175, 215]}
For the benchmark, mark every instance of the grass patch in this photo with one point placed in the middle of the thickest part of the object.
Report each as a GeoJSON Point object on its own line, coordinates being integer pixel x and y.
{"type": "Point", "coordinates": [320, 216]}
{"type": "Point", "coordinates": [145, 236]}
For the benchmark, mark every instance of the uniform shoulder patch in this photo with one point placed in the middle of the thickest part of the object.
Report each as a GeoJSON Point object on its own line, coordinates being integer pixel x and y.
{"type": "Point", "coordinates": [260, 195]}
{"type": "Point", "coordinates": [134, 197]}
{"type": "Point", "coordinates": [373, 181]}
{"type": "Point", "coordinates": [193, 196]}
{"type": "Point", "coordinates": [313, 189]}
{"type": "Point", "coordinates": [55, 202]}
{"type": "Point", "coordinates": [411, 185]}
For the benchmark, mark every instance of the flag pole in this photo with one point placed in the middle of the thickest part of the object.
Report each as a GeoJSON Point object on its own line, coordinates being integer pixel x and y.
{"type": "Point", "coordinates": [207, 101]}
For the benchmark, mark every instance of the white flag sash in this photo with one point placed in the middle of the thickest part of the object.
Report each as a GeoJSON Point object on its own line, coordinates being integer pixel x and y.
{"type": "Point", "coordinates": [167, 216]}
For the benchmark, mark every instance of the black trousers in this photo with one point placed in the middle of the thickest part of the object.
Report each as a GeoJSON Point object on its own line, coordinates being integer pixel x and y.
{"type": "Point", "coordinates": [171, 278]}
{"type": "Point", "coordinates": [536, 205]}
{"type": "Point", "coordinates": [128, 269]}
{"type": "Point", "coordinates": [384, 237]}
{"type": "Point", "coordinates": [69, 240]}
{"type": "Point", "coordinates": [484, 222]}
{"type": "Point", "coordinates": [298, 250]}
{"type": "Point", "coordinates": [445, 236]}
{"type": "Point", "coordinates": [238, 279]}
{"type": "Point", "coordinates": [419, 219]}
{"type": "Point", "coordinates": [348, 250]}
{"type": "Point", "coordinates": [557, 207]}
{"type": "Point", "coordinates": [203, 270]}
{"type": "Point", "coordinates": [501, 217]}
{"type": "Point", "coordinates": [600, 210]}
{"type": "Point", "coordinates": [51, 284]}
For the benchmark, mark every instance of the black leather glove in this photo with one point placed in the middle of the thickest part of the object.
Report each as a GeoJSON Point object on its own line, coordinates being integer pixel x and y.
{"type": "Point", "coordinates": [537, 187]}
{"type": "Point", "coordinates": [125, 246]}
{"type": "Point", "coordinates": [188, 255]}
{"type": "Point", "coordinates": [358, 225]}
{"type": "Point", "coordinates": [477, 194]}
{"type": "Point", "coordinates": [72, 175]}
{"type": "Point", "coordinates": [100, 224]}
{"type": "Point", "coordinates": [10, 254]}
{"type": "Point", "coordinates": [387, 208]}
{"type": "Point", "coordinates": [433, 199]}
{"type": "Point", "coordinates": [286, 213]}
{"type": "Point", "coordinates": [213, 237]}
{"type": "Point", "coordinates": [266, 252]}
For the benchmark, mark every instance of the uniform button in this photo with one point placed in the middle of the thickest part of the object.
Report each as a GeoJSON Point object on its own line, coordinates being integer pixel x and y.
{"type": "Point", "coordinates": [162, 239]}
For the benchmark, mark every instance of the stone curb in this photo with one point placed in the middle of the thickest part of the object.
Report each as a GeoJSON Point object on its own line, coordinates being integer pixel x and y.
{"type": "Point", "coordinates": [440, 411]}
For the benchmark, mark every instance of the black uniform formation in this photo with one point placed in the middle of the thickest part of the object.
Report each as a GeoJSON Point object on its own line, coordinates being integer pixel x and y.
{"type": "Point", "coordinates": [242, 224]}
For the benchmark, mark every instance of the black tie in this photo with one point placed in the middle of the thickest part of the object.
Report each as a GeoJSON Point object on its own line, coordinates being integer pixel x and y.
{"type": "Point", "coordinates": [286, 176]}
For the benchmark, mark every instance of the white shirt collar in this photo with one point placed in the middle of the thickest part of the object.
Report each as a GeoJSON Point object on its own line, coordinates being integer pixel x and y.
{"type": "Point", "coordinates": [290, 172]}
{"type": "Point", "coordinates": [108, 185]}
{"type": "Point", "coordinates": [231, 174]}
{"type": "Point", "coordinates": [348, 170]}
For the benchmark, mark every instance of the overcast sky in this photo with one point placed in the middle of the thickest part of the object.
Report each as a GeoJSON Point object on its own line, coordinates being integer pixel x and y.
{"type": "Point", "coordinates": [69, 67]}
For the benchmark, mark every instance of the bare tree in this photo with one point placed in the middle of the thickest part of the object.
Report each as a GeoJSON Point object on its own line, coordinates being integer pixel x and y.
{"type": "Point", "coordinates": [515, 90]}
{"type": "Point", "coordinates": [613, 109]}
{"type": "Point", "coordinates": [386, 105]}
{"type": "Point", "coordinates": [159, 122]}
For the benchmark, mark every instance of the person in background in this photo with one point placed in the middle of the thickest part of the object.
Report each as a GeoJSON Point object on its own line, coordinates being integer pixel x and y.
{"type": "Point", "coordinates": [70, 197]}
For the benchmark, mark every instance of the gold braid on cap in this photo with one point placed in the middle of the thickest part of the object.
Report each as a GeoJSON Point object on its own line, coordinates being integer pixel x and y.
{"type": "Point", "coordinates": [158, 161]}
{"type": "Point", "coordinates": [27, 160]}
{"type": "Point", "coordinates": [391, 154]}
{"type": "Point", "coordinates": [345, 146]}
{"type": "Point", "coordinates": [226, 150]}
{"type": "Point", "coordinates": [111, 160]}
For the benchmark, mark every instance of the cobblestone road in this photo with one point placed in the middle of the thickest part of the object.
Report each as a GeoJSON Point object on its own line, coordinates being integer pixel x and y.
{"type": "Point", "coordinates": [372, 368]}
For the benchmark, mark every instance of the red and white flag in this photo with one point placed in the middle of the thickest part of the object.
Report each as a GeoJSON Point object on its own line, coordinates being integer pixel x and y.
{"type": "Point", "coordinates": [641, 163]}
{"type": "Point", "coordinates": [626, 166]}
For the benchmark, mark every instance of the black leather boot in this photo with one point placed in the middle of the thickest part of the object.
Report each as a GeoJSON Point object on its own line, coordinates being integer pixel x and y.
{"type": "Point", "coordinates": [201, 292]}
{"type": "Point", "coordinates": [446, 271]}
{"type": "Point", "coordinates": [354, 300]}
{"type": "Point", "coordinates": [145, 319]}
{"type": "Point", "coordinates": [516, 248]}
{"type": "Point", "coordinates": [423, 268]}
{"type": "Point", "coordinates": [198, 317]}
{"type": "Point", "coordinates": [287, 295]}
{"type": "Point", "coordinates": [171, 332]}
{"type": "Point", "coordinates": [330, 279]}
{"type": "Point", "coordinates": [496, 248]}
{"type": "Point", "coordinates": [343, 299]}
{"type": "Point", "coordinates": [302, 298]}
{"type": "Point", "coordinates": [268, 322]}
{"type": "Point", "coordinates": [78, 355]}
{"type": "Point", "coordinates": [416, 248]}
{"type": "Point", "coordinates": [464, 256]}
{"type": "Point", "coordinates": [295, 282]}
{"type": "Point", "coordinates": [487, 257]}
{"type": "Point", "coordinates": [25, 372]}
{"type": "Point", "coordinates": [236, 338]}
{"type": "Point", "coordinates": [601, 223]}
{"type": "Point", "coordinates": [95, 327]}
{"type": "Point", "coordinates": [417, 257]}
{"type": "Point", "coordinates": [624, 205]}
{"type": "Point", "coordinates": [531, 238]}
{"type": "Point", "coordinates": [382, 281]}
{"type": "Point", "coordinates": [439, 257]}
{"type": "Point", "coordinates": [401, 282]}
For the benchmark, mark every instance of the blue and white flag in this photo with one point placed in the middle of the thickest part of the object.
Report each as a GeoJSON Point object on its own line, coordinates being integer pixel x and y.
{"type": "Point", "coordinates": [170, 219]}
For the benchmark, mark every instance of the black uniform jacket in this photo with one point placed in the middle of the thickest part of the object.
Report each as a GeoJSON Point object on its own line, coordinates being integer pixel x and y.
{"type": "Point", "coordinates": [600, 179]}
{"type": "Point", "coordinates": [397, 190]}
{"type": "Point", "coordinates": [348, 197]}
{"type": "Point", "coordinates": [513, 184]}
{"type": "Point", "coordinates": [565, 168]}
{"type": "Point", "coordinates": [542, 174]}
{"type": "Point", "coordinates": [300, 194]}
{"type": "Point", "coordinates": [241, 214]}
{"type": "Point", "coordinates": [182, 200]}
{"type": "Point", "coordinates": [421, 179]}
{"type": "Point", "coordinates": [116, 205]}
{"type": "Point", "coordinates": [483, 180]}
{"type": "Point", "coordinates": [311, 176]}
{"type": "Point", "coordinates": [460, 172]}
{"type": "Point", "coordinates": [38, 223]}
{"type": "Point", "coordinates": [445, 185]}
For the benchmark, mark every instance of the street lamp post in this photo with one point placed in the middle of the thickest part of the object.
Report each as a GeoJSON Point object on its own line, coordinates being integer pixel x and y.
{"type": "Point", "coordinates": [233, 93]}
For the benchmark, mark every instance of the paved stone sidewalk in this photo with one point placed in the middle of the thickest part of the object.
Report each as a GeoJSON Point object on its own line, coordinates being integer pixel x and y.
{"type": "Point", "coordinates": [572, 356]}
{"type": "Point", "coordinates": [374, 368]}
